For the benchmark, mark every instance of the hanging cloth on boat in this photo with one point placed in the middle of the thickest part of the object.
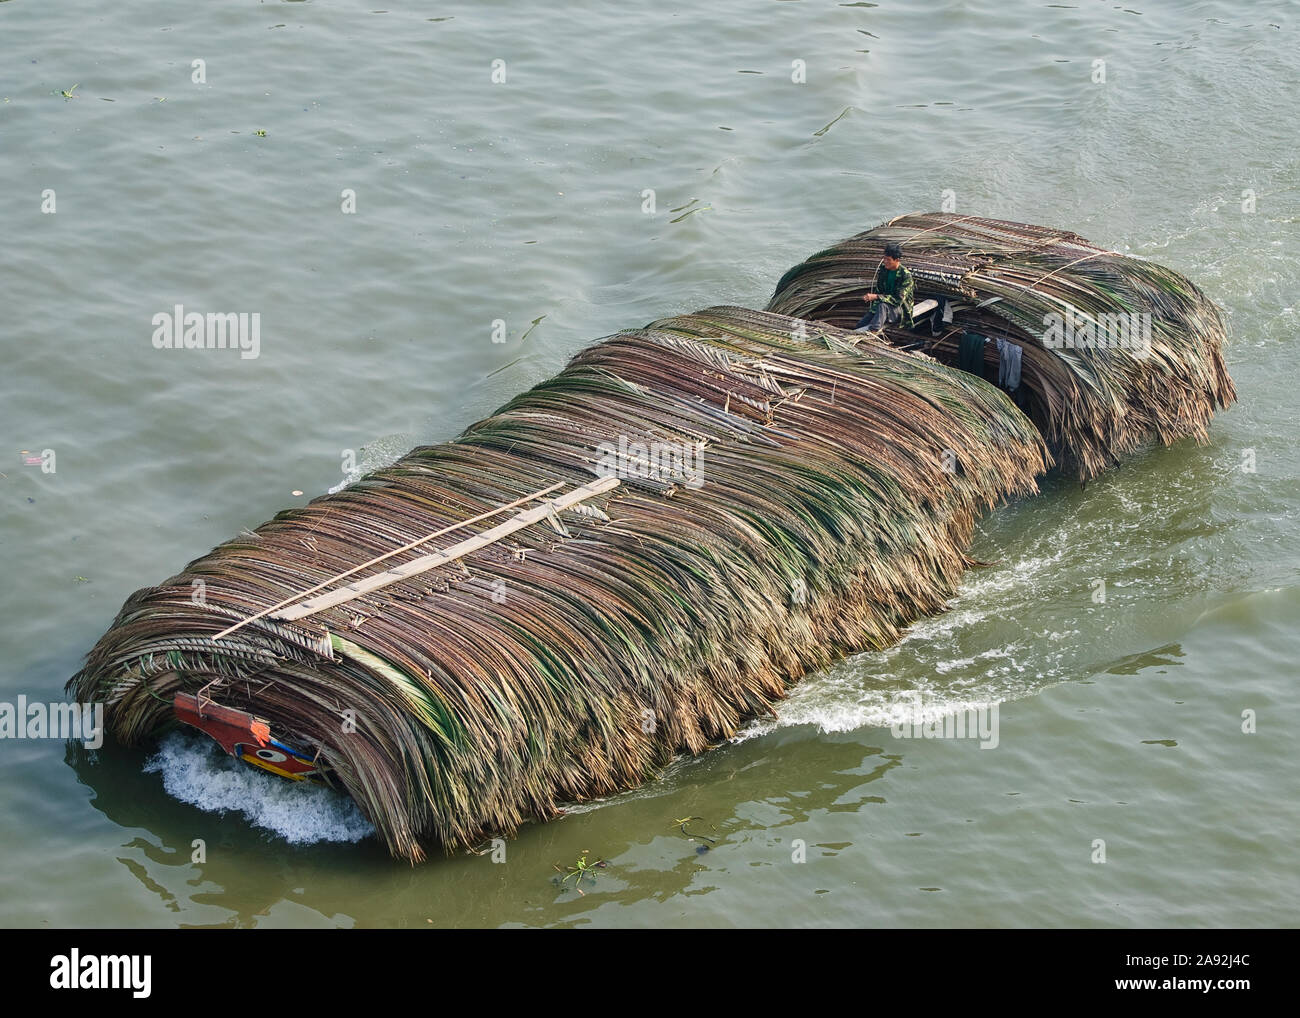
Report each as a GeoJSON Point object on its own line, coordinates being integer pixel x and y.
{"type": "Point", "coordinates": [1009, 354]}
{"type": "Point", "coordinates": [970, 353]}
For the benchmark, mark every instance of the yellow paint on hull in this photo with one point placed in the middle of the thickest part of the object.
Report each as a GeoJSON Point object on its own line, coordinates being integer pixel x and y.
{"type": "Point", "coordinates": [257, 761]}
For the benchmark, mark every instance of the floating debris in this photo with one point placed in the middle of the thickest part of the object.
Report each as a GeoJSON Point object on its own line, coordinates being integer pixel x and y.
{"type": "Point", "coordinates": [579, 870]}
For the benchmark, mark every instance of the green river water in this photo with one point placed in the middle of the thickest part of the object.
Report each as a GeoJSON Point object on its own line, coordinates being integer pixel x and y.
{"type": "Point", "coordinates": [522, 201]}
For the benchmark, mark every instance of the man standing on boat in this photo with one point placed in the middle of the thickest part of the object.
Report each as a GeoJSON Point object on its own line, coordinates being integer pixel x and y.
{"type": "Point", "coordinates": [891, 301]}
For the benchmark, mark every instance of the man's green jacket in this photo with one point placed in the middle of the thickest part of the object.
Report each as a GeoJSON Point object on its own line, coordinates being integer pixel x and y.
{"type": "Point", "coordinates": [896, 288]}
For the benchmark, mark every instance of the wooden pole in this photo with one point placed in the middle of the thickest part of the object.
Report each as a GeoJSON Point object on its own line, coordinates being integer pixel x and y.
{"type": "Point", "coordinates": [421, 565]}
{"type": "Point", "coordinates": [396, 551]}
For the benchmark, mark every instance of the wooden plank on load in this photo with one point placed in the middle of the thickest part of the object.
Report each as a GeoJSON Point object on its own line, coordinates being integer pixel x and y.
{"type": "Point", "coordinates": [387, 555]}
{"type": "Point", "coordinates": [459, 550]}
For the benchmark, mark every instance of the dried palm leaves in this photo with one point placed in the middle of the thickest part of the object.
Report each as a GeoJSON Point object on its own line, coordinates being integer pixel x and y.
{"type": "Point", "coordinates": [839, 489]}
{"type": "Point", "coordinates": [789, 492]}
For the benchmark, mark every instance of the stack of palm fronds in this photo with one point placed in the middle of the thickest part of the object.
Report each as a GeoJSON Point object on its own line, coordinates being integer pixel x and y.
{"type": "Point", "coordinates": [1093, 403]}
{"type": "Point", "coordinates": [823, 498]}
{"type": "Point", "coordinates": [788, 492]}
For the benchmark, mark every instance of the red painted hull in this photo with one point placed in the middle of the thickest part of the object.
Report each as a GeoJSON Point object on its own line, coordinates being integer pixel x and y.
{"type": "Point", "coordinates": [244, 737]}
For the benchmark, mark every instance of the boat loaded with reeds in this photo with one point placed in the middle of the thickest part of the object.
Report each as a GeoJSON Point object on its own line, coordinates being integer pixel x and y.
{"type": "Point", "coordinates": [636, 557]}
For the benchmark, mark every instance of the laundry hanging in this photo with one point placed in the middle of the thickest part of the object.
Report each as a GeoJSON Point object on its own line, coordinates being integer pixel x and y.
{"type": "Point", "coordinates": [1009, 355]}
{"type": "Point", "coordinates": [970, 353]}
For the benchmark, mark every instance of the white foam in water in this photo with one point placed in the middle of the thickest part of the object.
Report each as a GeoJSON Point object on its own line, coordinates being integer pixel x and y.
{"type": "Point", "coordinates": [842, 703]}
{"type": "Point", "coordinates": [378, 454]}
{"type": "Point", "coordinates": [939, 667]}
{"type": "Point", "coordinates": [195, 771]}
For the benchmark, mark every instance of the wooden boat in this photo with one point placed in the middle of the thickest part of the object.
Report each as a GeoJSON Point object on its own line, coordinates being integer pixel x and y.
{"type": "Point", "coordinates": [458, 684]}
{"type": "Point", "coordinates": [244, 736]}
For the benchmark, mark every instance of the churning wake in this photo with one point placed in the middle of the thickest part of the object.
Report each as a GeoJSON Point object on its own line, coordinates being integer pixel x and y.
{"type": "Point", "coordinates": [195, 772]}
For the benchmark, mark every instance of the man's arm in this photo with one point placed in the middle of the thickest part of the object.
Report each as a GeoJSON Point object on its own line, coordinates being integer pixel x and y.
{"type": "Point", "coordinates": [907, 291]}
{"type": "Point", "coordinates": [870, 297]}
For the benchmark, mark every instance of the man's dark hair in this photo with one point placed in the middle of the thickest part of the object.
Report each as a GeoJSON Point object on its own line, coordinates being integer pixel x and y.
{"type": "Point", "coordinates": [893, 250]}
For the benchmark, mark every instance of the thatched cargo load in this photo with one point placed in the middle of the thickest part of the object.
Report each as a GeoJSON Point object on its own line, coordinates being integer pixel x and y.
{"type": "Point", "coordinates": [1118, 351]}
{"type": "Point", "coordinates": [786, 492]}
{"type": "Point", "coordinates": [825, 523]}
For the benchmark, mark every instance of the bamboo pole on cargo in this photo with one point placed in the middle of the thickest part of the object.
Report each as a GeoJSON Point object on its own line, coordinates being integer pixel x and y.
{"type": "Point", "coordinates": [387, 555]}
{"type": "Point", "coordinates": [422, 565]}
